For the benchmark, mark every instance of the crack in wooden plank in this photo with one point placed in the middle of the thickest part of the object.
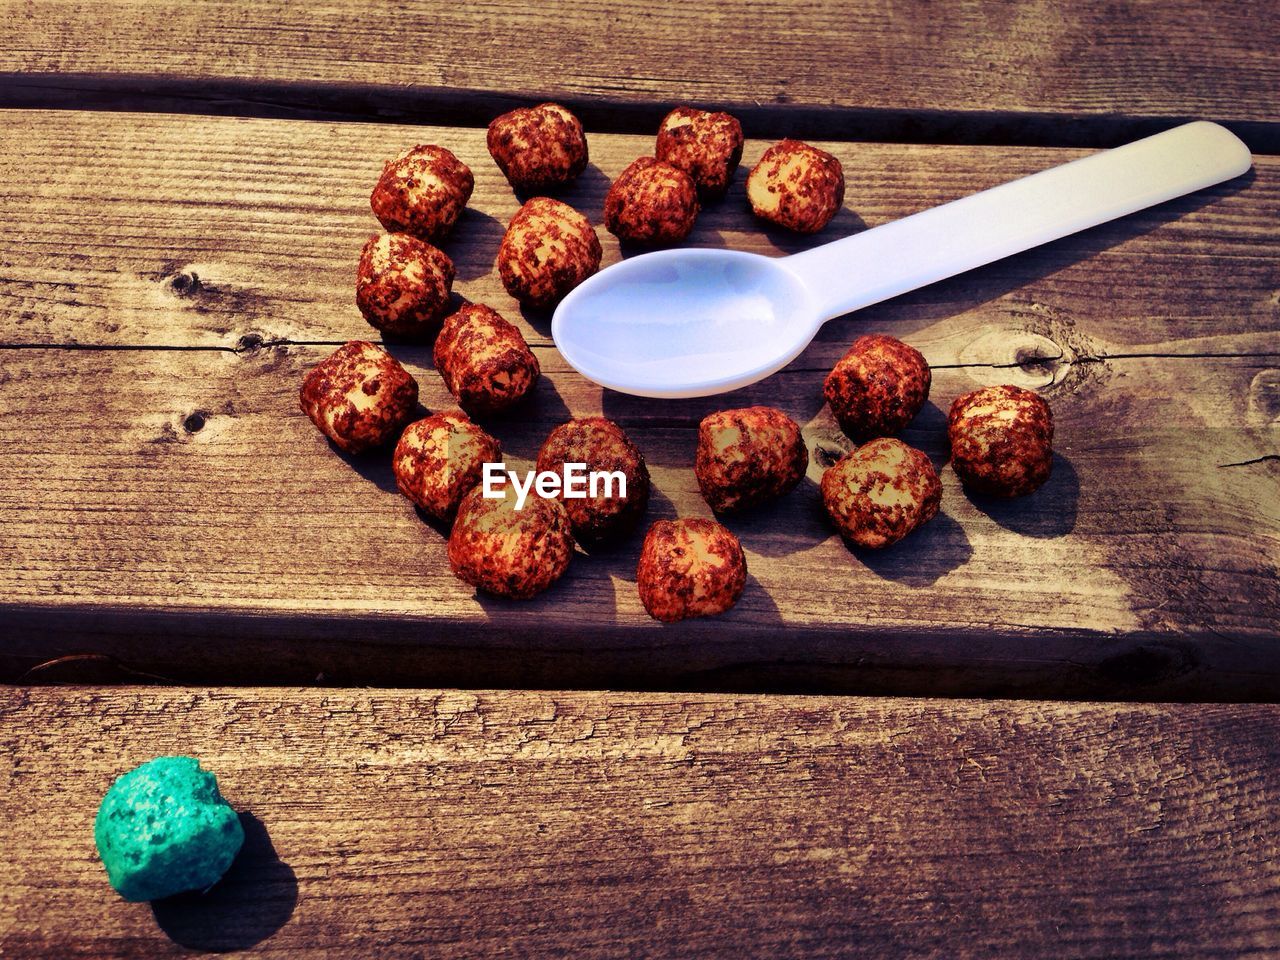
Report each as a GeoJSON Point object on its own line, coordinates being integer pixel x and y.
{"type": "Point", "coordinates": [1246, 463]}
{"type": "Point", "coordinates": [252, 342]}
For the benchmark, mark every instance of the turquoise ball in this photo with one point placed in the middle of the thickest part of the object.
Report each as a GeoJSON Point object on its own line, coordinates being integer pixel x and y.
{"type": "Point", "coordinates": [163, 828]}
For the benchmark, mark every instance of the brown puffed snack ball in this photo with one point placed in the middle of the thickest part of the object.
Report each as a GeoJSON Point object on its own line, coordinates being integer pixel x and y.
{"type": "Point", "coordinates": [748, 457]}
{"type": "Point", "coordinates": [707, 146]}
{"type": "Point", "coordinates": [796, 186]}
{"type": "Point", "coordinates": [690, 568]}
{"type": "Point", "coordinates": [423, 192]}
{"type": "Point", "coordinates": [538, 148]}
{"type": "Point", "coordinates": [359, 396]}
{"type": "Point", "coordinates": [403, 285]}
{"type": "Point", "coordinates": [1001, 440]}
{"type": "Point", "coordinates": [878, 387]}
{"type": "Point", "coordinates": [880, 492]}
{"type": "Point", "coordinates": [440, 458]}
{"type": "Point", "coordinates": [603, 446]}
{"type": "Point", "coordinates": [549, 248]}
{"type": "Point", "coordinates": [509, 552]}
{"type": "Point", "coordinates": [651, 203]}
{"type": "Point", "coordinates": [484, 360]}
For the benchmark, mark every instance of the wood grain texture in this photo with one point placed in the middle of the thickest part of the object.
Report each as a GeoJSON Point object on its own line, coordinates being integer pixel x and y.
{"type": "Point", "coordinates": [136, 230]}
{"type": "Point", "coordinates": [163, 502]}
{"type": "Point", "coordinates": [448, 823]}
{"type": "Point", "coordinates": [978, 69]}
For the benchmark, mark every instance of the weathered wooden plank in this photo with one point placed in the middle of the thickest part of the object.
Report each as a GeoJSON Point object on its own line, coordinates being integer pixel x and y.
{"type": "Point", "coordinates": [144, 484]}
{"type": "Point", "coordinates": [153, 492]}
{"type": "Point", "coordinates": [164, 231]}
{"type": "Point", "coordinates": [971, 71]}
{"type": "Point", "coordinates": [447, 823]}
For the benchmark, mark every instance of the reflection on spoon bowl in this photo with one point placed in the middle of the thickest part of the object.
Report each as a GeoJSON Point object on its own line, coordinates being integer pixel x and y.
{"type": "Point", "coordinates": [685, 323]}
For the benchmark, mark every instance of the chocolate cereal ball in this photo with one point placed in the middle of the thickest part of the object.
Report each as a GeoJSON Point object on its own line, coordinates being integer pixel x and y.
{"type": "Point", "coordinates": [549, 248]}
{"type": "Point", "coordinates": [423, 191]}
{"type": "Point", "coordinates": [651, 203]}
{"type": "Point", "coordinates": [360, 397]}
{"type": "Point", "coordinates": [440, 459]}
{"type": "Point", "coordinates": [796, 186]}
{"type": "Point", "coordinates": [509, 552]}
{"type": "Point", "coordinates": [484, 360]}
{"type": "Point", "coordinates": [707, 146]}
{"type": "Point", "coordinates": [538, 148]}
{"type": "Point", "coordinates": [690, 568]}
{"type": "Point", "coordinates": [878, 387]}
{"type": "Point", "coordinates": [880, 492]}
{"type": "Point", "coordinates": [747, 457]}
{"type": "Point", "coordinates": [1001, 440]}
{"type": "Point", "coordinates": [403, 285]}
{"type": "Point", "coordinates": [603, 446]}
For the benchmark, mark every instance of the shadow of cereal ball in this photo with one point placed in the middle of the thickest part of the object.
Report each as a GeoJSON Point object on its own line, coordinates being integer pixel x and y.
{"type": "Point", "coordinates": [252, 901]}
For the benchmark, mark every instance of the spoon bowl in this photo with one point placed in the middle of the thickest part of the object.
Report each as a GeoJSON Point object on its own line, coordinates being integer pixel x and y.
{"type": "Point", "coordinates": [690, 323]}
{"type": "Point", "coordinates": [685, 323]}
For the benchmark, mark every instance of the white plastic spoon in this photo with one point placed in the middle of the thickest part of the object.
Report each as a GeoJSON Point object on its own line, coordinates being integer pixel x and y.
{"type": "Point", "coordinates": [690, 323]}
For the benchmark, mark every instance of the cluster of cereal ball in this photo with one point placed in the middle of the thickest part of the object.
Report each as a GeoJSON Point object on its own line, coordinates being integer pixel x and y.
{"type": "Point", "coordinates": [362, 398]}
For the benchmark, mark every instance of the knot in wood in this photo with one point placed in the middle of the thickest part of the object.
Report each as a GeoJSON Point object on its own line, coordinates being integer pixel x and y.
{"type": "Point", "coordinates": [185, 283]}
{"type": "Point", "coordinates": [1021, 357]}
{"type": "Point", "coordinates": [1264, 399]}
{"type": "Point", "coordinates": [250, 342]}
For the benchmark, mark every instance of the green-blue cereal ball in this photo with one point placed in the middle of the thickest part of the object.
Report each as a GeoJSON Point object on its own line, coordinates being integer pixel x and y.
{"type": "Point", "coordinates": [163, 828]}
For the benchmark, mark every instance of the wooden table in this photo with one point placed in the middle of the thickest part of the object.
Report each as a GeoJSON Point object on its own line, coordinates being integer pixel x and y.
{"type": "Point", "coordinates": [184, 193]}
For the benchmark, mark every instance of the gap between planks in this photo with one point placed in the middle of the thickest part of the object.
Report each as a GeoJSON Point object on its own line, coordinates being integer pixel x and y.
{"type": "Point", "coordinates": [443, 106]}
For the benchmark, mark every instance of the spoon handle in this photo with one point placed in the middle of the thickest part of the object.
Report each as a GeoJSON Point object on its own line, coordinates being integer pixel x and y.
{"type": "Point", "coordinates": [888, 260]}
